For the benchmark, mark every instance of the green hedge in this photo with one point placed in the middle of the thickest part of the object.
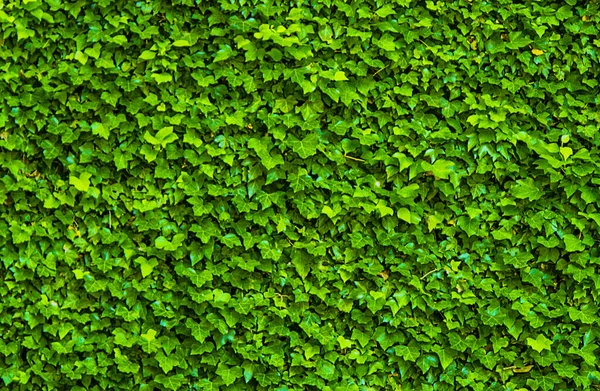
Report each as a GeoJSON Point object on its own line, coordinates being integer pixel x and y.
{"type": "Point", "coordinates": [302, 195]}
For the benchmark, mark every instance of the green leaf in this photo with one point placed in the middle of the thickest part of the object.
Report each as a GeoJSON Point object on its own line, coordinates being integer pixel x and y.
{"type": "Point", "coordinates": [166, 363]}
{"type": "Point", "coordinates": [540, 343]}
{"type": "Point", "coordinates": [573, 243]}
{"type": "Point", "coordinates": [147, 266]}
{"type": "Point", "coordinates": [564, 12]}
{"type": "Point", "coordinates": [344, 343]}
{"type": "Point", "coordinates": [81, 183]}
{"type": "Point", "coordinates": [517, 40]}
{"type": "Point", "coordinates": [386, 43]}
{"type": "Point", "coordinates": [181, 43]}
{"type": "Point", "coordinates": [442, 168]}
{"type": "Point", "coordinates": [161, 78]}
{"type": "Point", "coordinates": [326, 370]}
{"type": "Point", "coordinates": [163, 137]}
{"type": "Point", "coordinates": [408, 216]}
{"type": "Point", "coordinates": [410, 352]}
{"type": "Point", "coordinates": [229, 374]}
{"type": "Point", "coordinates": [386, 10]}
{"type": "Point", "coordinates": [307, 146]}
{"type": "Point", "coordinates": [566, 152]}
{"type": "Point", "coordinates": [339, 76]}
{"type": "Point", "coordinates": [224, 53]}
{"type": "Point", "coordinates": [445, 355]}
{"type": "Point", "coordinates": [432, 222]}
{"type": "Point", "coordinates": [99, 129]}
{"type": "Point", "coordinates": [526, 189]}
{"type": "Point", "coordinates": [171, 382]}
{"type": "Point", "coordinates": [124, 364]}
{"type": "Point", "coordinates": [163, 243]}
{"type": "Point", "coordinates": [147, 55]}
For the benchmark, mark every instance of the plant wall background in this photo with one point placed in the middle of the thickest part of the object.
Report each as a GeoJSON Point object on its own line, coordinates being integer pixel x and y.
{"type": "Point", "coordinates": [301, 195]}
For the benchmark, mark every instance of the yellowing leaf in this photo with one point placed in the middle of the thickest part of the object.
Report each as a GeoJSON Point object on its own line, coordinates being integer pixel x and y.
{"type": "Point", "coordinates": [340, 76]}
{"type": "Point", "coordinates": [432, 222]}
{"type": "Point", "coordinates": [147, 55]}
{"type": "Point", "coordinates": [566, 152]}
{"type": "Point", "coordinates": [181, 43]}
{"type": "Point", "coordinates": [537, 52]}
{"type": "Point", "coordinates": [524, 369]}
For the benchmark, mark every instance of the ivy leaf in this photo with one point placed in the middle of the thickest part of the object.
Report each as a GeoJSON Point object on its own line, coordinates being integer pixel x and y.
{"type": "Point", "coordinates": [181, 43]}
{"type": "Point", "coordinates": [99, 129]}
{"type": "Point", "coordinates": [161, 78]}
{"type": "Point", "coordinates": [224, 53]}
{"type": "Point", "coordinates": [167, 363]}
{"type": "Point", "coordinates": [517, 40]}
{"type": "Point", "coordinates": [149, 342]}
{"type": "Point", "coordinates": [339, 76]}
{"type": "Point", "coordinates": [163, 137]}
{"type": "Point", "coordinates": [147, 55]}
{"type": "Point", "coordinates": [326, 370]}
{"type": "Point", "coordinates": [408, 216]}
{"type": "Point", "coordinates": [81, 183]}
{"type": "Point", "coordinates": [445, 355]}
{"type": "Point", "coordinates": [526, 189]}
{"type": "Point", "coordinates": [410, 352]}
{"type": "Point", "coordinates": [171, 382]}
{"type": "Point", "coordinates": [124, 364]}
{"type": "Point", "coordinates": [386, 10]}
{"type": "Point", "coordinates": [540, 343]}
{"type": "Point", "coordinates": [163, 243]}
{"type": "Point", "coordinates": [147, 266]}
{"type": "Point", "coordinates": [442, 168]}
{"type": "Point", "coordinates": [229, 374]}
{"type": "Point", "coordinates": [564, 12]}
{"type": "Point", "coordinates": [572, 243]}
{"type": "Point", "coordinates": [307, 146]}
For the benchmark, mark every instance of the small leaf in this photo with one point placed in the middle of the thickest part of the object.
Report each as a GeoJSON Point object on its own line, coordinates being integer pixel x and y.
{"type": "Point", "coordinates": [445, 355]}
{"type": "Point", "coordinates": [325, 369]}
{"type": "Point", "coordinates": [386, 10]}
{"type": "Point", "coordinates": [224, 53]}
{"type": "Point", "coordinates": [181, 43]}
{"type": "Point", "coordinates": [171, 382]}
{"type": "Point", "coordinates": [99, 129]}
{"type": "Point", "coordinates": [344, 343]}
{"type": "Point", "coordinates": [526, 189]}
{"type": "Point", "coordinates": [82, 183]}
{"type": "Point", "coordinates": [162, 77]}
{"type": "Point", "coordinates": [517, 40]}
{"type": "Point", "coordinates": [410, 352]}
{"type": "Point", "coordinates": [340, 76]}
{"type": "Point", "coordinates": [566, 152]}
{"type": "Point", "coordinates": [229, 374]}
{"type": "Point", "coordinates": [147, 55]}
{"type": "Point", "coordinates": [307, 146]}
{"type": "Point", "coordinates": [564, 12]}
{"type": "Point", "coordinates": [540, 343]}
{"type": "Point", "coordinates": [146, 265]}
{"type": "Point", "coordinates": [573, 243]}
{"type": "Point", "coordinates": [442, 168]}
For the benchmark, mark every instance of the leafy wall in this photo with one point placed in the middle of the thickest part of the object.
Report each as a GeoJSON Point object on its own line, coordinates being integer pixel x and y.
{"type": "Point", "coordinates": [302, 195]}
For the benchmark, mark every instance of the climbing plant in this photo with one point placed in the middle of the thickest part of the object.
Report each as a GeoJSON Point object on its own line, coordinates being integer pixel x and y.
{"type": "Point", "coordinates": [302, 195]}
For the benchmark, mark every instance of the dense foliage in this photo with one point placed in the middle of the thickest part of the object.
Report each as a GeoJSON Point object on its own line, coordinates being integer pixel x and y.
{"type": "Point", "coordinates": [303, 195]}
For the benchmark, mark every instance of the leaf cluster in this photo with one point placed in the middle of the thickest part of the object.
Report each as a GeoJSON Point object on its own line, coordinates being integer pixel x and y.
{"type": "Point", "coordinates": [311, 195]}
